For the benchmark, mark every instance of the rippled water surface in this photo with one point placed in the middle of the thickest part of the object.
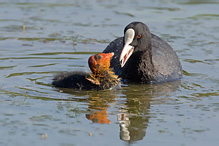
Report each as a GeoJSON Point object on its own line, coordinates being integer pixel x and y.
{"type": "Point", "coordinates": [40, 38]}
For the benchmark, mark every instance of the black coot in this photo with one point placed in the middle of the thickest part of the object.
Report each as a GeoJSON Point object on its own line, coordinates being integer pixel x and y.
{"type": "Point", "coordinates": [143, 57]}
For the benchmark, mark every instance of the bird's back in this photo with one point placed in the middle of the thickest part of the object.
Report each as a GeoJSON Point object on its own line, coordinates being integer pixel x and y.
{"type": "Point", "coordinates": [115, 46]}
{"type": "Point", "coordinates": [165, 60]}
{"type": "Point", "coordinates": [166, 63]}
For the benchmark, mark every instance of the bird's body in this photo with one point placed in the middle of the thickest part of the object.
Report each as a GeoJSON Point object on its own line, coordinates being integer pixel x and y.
{"type": "Point", "coordinates": [151, 60]}
{"type": "Point", "coordinates": [139, 56]}
{"type": "Point", "coordinates": [102, 77]}
{"type": "Point", "coordinates": [74, 80]}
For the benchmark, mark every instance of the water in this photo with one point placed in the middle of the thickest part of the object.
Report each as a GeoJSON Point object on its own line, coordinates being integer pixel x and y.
{"type": "Point", "coordinates": [41, 38]}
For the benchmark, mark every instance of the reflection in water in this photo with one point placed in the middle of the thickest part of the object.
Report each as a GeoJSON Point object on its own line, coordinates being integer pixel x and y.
{"type": "Point", "coordinates": [134, 112]}
{"type": "Point", "coordinates": [98, 104]}
{"type": "Point", "coordinates": [64, 41]}
{"type": "Point", "coordinates": [99, 116]}
{"type": "Point", "coordinates": [134, 117]}
{"type": "Point", "coordinates": [132, 127]}
{"type": "Point", "coordinates": [133, 123]}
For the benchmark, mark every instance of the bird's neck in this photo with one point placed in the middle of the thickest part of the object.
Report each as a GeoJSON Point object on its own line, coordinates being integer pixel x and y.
{"type": "Point", "coordinates": [109, 79]}
{"type": "Point", "coordinates": [140, 67]}
{"type": "Point", "coordinates": [105, 79]}
{"type": "Point", "coordinates": [145, 66]}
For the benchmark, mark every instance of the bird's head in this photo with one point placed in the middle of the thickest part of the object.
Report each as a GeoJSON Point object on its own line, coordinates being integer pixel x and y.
{"type": "Point", "coordinates": [137, 38]}
{"type": "Point", "coordinates": [102, 75]}
{"type": "Point", "coordinates": [100, 62]}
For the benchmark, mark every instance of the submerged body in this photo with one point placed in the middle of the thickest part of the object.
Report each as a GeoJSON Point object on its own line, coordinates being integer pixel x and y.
{"type": "Point", "coordinates": [143, 57]}
{"type": "Point", "coordinates": [102, 77]}
{"type": "Point", "coordinates": [73, 80]}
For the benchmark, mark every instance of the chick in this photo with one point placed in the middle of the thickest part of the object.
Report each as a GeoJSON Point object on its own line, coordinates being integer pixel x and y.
{"type": "Point", "coordinates": [102, 76]}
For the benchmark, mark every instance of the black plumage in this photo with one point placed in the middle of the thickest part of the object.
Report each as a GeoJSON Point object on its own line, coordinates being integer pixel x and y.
{"type": "Point", "coordinates": [86, 81]}
{"type": "Point", "coordinates": [102, 76]}
{"type": "Point", "coordinates": [153, 59]}
{"type": "Point", "coordinates": [73, 80]}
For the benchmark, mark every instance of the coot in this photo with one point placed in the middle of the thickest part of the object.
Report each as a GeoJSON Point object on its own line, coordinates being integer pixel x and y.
{"type": "Point", "coordinates": [102, 77]}
{"type": "Point", "coordinates": [143, 57]}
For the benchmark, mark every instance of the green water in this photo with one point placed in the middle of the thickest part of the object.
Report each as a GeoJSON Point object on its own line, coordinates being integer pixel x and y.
{"type": "Point", "coordinates": [41, 38]}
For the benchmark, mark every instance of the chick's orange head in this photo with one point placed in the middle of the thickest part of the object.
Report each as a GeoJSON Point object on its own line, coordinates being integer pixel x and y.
{"type": "Point", "coordinates": [100, 62]}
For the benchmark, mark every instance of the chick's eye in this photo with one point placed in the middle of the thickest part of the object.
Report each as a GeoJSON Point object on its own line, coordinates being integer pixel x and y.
{"type": "Point", "coordinates": [99, 57]}
{"type": "Point", "coordinates": [139, 36]}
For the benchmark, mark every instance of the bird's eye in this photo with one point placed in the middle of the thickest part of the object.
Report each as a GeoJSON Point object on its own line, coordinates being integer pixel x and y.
{"type": "Point", "coordinates": [139, 36]}
{"type": "Point", "coordinates": [98, 57]}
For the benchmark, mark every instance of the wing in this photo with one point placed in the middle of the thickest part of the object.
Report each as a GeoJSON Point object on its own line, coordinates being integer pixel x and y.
{"type": "Point", "coordinates": [165, 60]}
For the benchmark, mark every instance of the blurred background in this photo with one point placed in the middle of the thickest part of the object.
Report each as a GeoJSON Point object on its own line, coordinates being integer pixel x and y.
{"type": "Point", "coordinates": [41, 38]}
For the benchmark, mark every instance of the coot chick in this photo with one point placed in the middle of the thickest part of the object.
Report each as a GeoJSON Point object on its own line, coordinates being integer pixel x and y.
{"type": "Point", "coordinates": [102, 77]}
{"type": "Point", "coordinates": [143, 57]}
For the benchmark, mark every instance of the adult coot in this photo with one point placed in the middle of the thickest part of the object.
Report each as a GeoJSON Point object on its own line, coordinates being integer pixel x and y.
{"type": "Point", "coordinates": [143, 57]}
{"type": "Point", "coordinates": [102, 77]}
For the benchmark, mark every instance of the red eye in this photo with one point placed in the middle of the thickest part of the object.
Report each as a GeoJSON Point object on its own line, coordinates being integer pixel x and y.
{"type": "Point", "coordinates": [139, 36]}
